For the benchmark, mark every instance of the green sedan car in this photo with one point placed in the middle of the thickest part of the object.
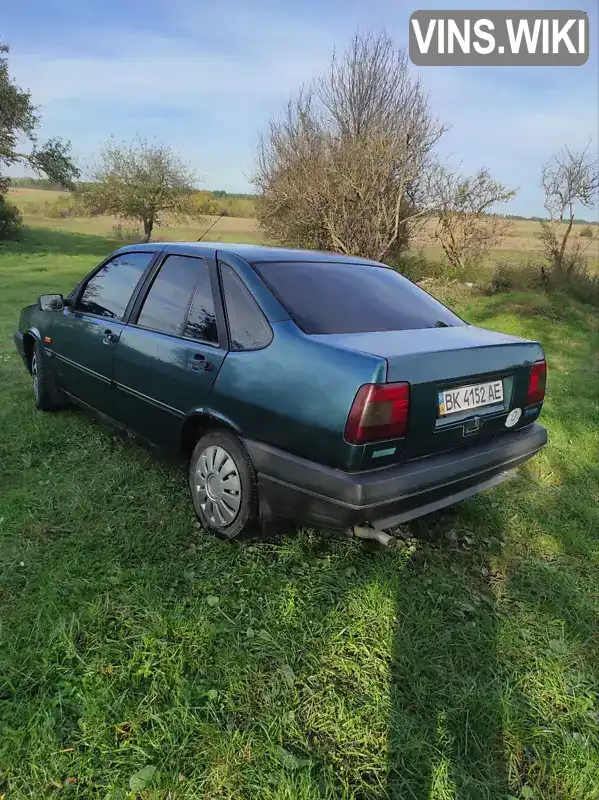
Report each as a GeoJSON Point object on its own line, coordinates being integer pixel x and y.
{"type": "Point", "coordinates": [297, 386]}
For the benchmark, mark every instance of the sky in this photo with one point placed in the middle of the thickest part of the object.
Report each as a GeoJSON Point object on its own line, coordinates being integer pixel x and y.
{"type": "Point", "coordinates": [205, 77]}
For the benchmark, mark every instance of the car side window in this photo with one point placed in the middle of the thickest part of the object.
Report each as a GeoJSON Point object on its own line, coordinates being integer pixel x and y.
{"type": "Point", "coordinates": [108, 292]}
{"type": "Point", "coordinates": [201, 319]}
{"type": "Point", "coordinates": [180, 300]}
{"type": "Point", "coordinates": [248, 327]}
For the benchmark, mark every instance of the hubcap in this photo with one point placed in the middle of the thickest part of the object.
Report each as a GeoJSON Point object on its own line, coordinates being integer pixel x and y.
{"type": "Point", "coordinates": [34, 375]}
{"type": "Point", "coordinates": [216, 486]}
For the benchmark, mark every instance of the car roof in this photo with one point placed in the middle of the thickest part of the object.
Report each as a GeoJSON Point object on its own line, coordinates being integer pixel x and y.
{"type": "Point", "coordinates": [253, 253]}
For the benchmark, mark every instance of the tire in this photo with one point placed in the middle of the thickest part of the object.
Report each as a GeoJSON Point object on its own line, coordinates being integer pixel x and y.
{"type": "Point", "coordinates": [45, 392]}
{"type": "Point", "coordinates": [223, 485]}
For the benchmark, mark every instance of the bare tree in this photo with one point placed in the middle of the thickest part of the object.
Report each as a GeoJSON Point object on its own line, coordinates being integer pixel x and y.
{"type": "Point", "coordinates": [141, 181]}
{"type": "Point", "coordinates": [345, 168]}
{"type": "Point", "coordinates": [466, 228]}
{"type": "Point", "coordinates": [569, 179]}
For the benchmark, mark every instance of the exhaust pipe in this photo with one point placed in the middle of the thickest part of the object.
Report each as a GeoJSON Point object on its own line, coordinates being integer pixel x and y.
{"type": "Point", "coordinates": [374, 535]}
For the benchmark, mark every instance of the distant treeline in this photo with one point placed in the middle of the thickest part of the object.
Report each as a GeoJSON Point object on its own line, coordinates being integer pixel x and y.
{"type": "Point", "coordinates": [539, 219]}
{"type": "Point", "coordinates": [36, 183]}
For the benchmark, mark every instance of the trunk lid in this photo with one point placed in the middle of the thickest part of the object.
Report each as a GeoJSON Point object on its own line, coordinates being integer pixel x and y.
{"type": "Point", "coordinates": [432, 360]}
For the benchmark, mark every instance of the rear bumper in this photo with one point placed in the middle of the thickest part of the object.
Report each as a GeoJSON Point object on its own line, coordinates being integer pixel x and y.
{"type": "Point", "coordinates": [300, 490]}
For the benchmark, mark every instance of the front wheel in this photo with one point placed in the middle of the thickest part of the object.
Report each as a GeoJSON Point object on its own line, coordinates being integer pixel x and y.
{"type": "Point", "coordinates": [223, 485]}
{"type": "Point", "coordinates": [44, 389]}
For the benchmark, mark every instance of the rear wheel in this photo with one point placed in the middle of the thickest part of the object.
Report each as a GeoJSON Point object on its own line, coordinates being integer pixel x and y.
{"type": "Point", "coordinates": [45, 393]}
{"type": "Point", "coordinates": [223, 485]}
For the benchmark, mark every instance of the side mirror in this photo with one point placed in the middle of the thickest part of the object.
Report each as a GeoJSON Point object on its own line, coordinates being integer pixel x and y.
{"type": "Point", "coordinates": [51, 302]}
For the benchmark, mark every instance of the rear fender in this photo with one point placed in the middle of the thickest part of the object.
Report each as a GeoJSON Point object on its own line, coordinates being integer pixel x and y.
{"type": "Point", "coordinates": [200, 420]}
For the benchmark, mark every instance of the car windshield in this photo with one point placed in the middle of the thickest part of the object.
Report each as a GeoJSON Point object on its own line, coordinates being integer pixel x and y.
{"type": "Point", "coordinates": [343, 297]}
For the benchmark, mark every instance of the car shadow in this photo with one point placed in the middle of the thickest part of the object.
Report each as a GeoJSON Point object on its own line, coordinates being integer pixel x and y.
{"type": "Point", "coordinates": [445, 734]}
{"type": "Point", "coordinates": [466, 710]}
{"type": "Point", "coordinates": [439, 675]}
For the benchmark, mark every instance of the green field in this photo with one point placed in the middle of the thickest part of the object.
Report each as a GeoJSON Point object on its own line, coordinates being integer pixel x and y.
{"type": "Point", "coordinates": [465, 664]}
{"type": "Point", "coordinates": [520, 244]}
{"type": "Point", "coordinates": [32, 203]}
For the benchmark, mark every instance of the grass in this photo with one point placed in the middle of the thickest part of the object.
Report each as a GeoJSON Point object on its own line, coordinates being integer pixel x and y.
{"type": "Point", "coordinates": [141, 659]}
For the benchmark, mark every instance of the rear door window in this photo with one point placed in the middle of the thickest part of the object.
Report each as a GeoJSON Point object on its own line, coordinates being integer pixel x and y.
{"type": "Point", "coordinates": [201, 319]}
{"type": "Point", "coordinates": [248, 327]}
{"type": "Point", "coordinates": [343, 297]}
{"type": "Point", "coordinates": [108, 292]}
{"type": "Point", "coordinates": [180, 301]}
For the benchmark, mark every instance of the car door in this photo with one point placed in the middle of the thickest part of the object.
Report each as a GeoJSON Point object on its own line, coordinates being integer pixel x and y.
{"type": "Point", "coordinates": [170, 353]}
{"type": "Point", "coordinates": [85, 336]}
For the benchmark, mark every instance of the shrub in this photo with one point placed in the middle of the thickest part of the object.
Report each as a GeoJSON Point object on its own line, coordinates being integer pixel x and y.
{"type": "Point", "coordinates": [515, 276]}
{"type": "Point", "coordinates": [214, 203]}
{"type": "Point", "coordinates": [523, 276]}
{"type": "Point", "coordinates": [33, 208]}
{"type": "Point", "coordinates": [238, 207]}
{"type": "Point", "coordinates": [65, 206]}
{"type": "Point", "coordinates": [416, 266]}
{"type": "Point", "coordinates": [578, 282]}
{"type": "Point", "coordinates": [450, 292]}
{"type": "Point", "coordinates": [11, 220]}
{"type": "Point", "coordinates": [587, 232]}
{"type": "Point", "coordinates": [204, 204]}
{"type": "Point", "coordinates": [468, 272]}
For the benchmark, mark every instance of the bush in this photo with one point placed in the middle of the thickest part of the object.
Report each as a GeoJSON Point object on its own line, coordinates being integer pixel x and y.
{"type": "Point", "coordinates": [11, 220]}
{"type": "Point", "coordinates": [587, 232]}
{"type": "Point", "coordinates": [238, 207]}
{"type": "Point", "coordinates": [450, 292]}
{"type": "Point", "coordinates": [65, 206]}
{"type": "Point", "coordinates": [33, 208]}
{"type": "Point", "coordinates": [71, 205]}
{"type": "Point", "coordinates": [527, 276]}
{"type": "Point", "coordinates": [215, 203]}
{"type": "Point", "coordinates": [415, 266]}
{"type": "Point", "coordinates": [469, 272]}
{"type": "Point", "coordinates": [578, 282]}
{"type": "Point", "coordinates": [516, 276]}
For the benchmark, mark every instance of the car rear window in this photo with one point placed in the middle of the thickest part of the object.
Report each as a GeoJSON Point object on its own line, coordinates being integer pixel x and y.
{"type": "Point", "coordinates": [341, 297]}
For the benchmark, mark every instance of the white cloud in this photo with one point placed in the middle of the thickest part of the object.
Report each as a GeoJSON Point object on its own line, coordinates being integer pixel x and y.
{"type": "Point", "coordinates": [168, 78]}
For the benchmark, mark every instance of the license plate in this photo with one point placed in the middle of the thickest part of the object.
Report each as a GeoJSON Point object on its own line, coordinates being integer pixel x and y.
{"type": "Point", "coordinates": [465, 398]}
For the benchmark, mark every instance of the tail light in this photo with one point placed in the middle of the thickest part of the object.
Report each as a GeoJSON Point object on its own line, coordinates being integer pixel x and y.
{"type": "Point", "coordinates": [379, 411]}
{"type": "Point", "coordinates": [536, 383]}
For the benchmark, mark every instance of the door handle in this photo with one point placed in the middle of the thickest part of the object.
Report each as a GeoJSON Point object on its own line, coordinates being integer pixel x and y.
{"type": "Point", "coordinates": [110, 337]}
{"type": "Point", "coordinates": [199, 363]}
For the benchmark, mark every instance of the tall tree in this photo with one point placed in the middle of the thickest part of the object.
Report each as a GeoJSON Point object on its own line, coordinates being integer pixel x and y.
{"type": "Point", "coordinates": [466, 228]}
{"type": "Point", "coordinates": [143, 181]}
{"type": "Point", "coordinates": [345, 168]}
{"type": "Point", "coordinates": [569, 179]}
{"type": "Point", "coordinates": [19, 121]}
